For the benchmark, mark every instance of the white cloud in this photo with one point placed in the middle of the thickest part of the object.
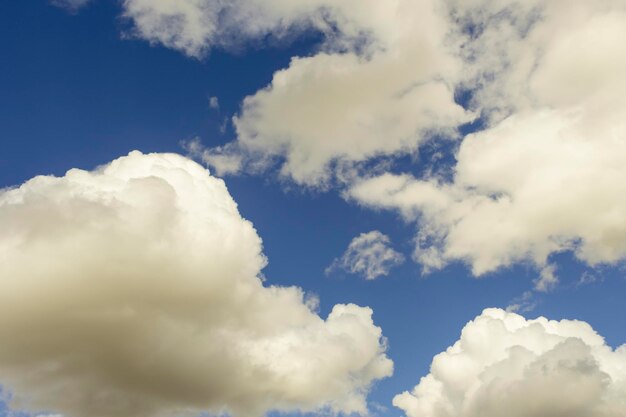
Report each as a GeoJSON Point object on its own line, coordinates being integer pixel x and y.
{"type": "Point", "coordinates": [382, 83]}
{"type": "Point", "coordinates": [504, 364]}
{"type": "Point", "coordinates": [550, 176]}
{"type": "Point", "coordinates": [133, 290]}
{"type": "Point", "coordinates": [531, 53]}
{"type": "Point", "coordinates": [369, 255]}
{"type": "Point", "coordinates": [545, 174]}
{"type": "Point", "coordinates": [547, 279]}
{"type": "Point", "coordinates": [220, 160]}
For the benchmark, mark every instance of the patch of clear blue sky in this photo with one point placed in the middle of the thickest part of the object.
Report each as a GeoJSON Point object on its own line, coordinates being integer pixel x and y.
{"type": "Point", "coordinates": [74, 94]}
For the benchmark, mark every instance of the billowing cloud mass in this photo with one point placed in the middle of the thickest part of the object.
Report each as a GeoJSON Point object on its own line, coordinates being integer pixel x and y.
{"type": "Point", "coordinates": [548, 174]}
{"type": "Point", "coordinates": [134, 290]}
{"type": "Point", "coordinates": [544, 172]}
{"type": "Point", "coordinates": [505, 365]}
{"type": "Point", "coordinates": [368, 254]}
{"type": "Point", "coordinates": [381, 84]}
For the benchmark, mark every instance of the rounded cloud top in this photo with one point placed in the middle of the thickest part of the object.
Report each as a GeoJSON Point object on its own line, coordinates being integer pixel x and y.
{"type": "Point", "coordinates": [504, 364]}
{"type": "Point", "coordinates": [134, 290]}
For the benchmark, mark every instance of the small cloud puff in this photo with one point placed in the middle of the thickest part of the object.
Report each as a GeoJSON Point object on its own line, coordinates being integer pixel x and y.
{"type": "Point", "coordinates": [369, 255]}
{"type": "Point", "coordinates": [214, 103]}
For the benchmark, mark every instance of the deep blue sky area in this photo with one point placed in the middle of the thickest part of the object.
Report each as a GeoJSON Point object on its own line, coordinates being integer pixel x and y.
{"type": "Point", "coordinates": [75, 93]}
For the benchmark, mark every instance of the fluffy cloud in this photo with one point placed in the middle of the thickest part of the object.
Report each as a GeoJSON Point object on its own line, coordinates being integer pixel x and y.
{"type": "Point", "coordinates": [368, 254]}
{"type": "Point", "coordinates": [381, 84]}
{"type": "Point", "coordinates": [547, 78]}
{"type": "Point", "coordinates": [194, 27]}
{"type": "Point", "coordinates": [134, 290]}
{"type": "Point", "coordinates": [550, 176]}
{"type": "Point", "coordinates": [504, 364]}
{"type": "Point", "coordinates": [523, 54]}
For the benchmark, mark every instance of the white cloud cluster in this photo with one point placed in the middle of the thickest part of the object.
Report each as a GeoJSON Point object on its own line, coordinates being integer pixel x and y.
{"type": "Point", "coordinates": [505, 365]}
{"type": "Point", "coordinates": [549, 177]}
{"type": "Point", "coordinates": [522, 53]}
{"type": "Point", "coordinates": [369, 255]}
{"type": "Point", "coordinates": [545, 173]}
{"type": "Point", "coordinates": [133, 291]}
{"type": "Point", "coordinates": [382, 83]}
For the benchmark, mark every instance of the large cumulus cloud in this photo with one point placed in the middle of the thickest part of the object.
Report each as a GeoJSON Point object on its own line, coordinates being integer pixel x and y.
{"type": "Point", "coordinates": [504, 364]}
{"type": "Point", "coordinates": [134, 290]}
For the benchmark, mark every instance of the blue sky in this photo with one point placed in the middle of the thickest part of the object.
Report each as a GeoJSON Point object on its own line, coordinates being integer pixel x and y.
{"type": "Point", "coordinates": [78, 90]}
